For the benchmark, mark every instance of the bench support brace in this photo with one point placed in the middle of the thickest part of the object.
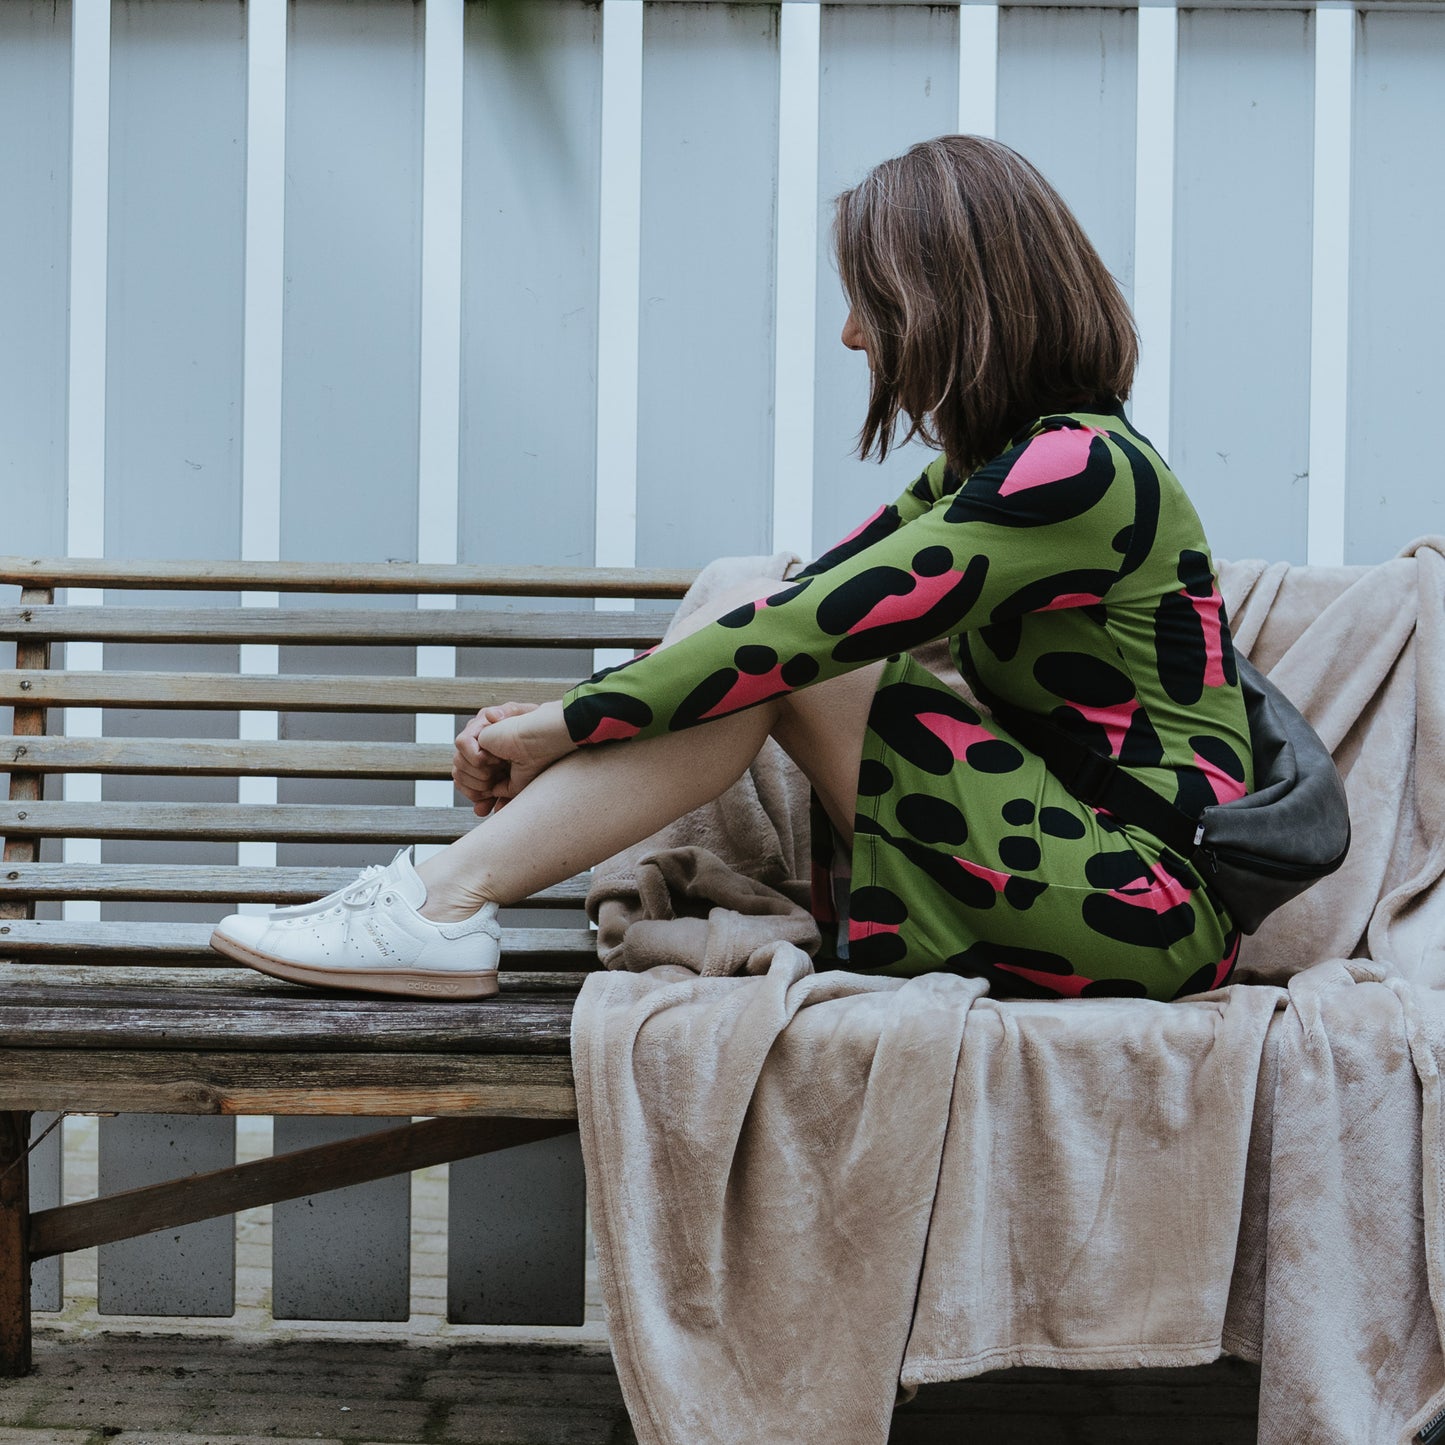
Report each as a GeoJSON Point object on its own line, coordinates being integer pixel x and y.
{"type": "Point", "coordinates": [268, 1181]}
{"type": "Point", "coordinates": [14, 1244]}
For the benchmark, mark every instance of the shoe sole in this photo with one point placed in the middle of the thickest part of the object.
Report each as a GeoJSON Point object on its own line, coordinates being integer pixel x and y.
{"type": "Point", "coordinates": [407, 983]}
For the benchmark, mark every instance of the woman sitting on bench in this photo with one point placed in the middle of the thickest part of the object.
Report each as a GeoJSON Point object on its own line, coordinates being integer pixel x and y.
{"type": "Point", "coordinates": [1048, 542]}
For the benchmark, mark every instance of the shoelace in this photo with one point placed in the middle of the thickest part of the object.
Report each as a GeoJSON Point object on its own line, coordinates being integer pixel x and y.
{"type": "Point", "coordinates": [369, 877]}
{"type": "Point", "coordinates": [362, 891]}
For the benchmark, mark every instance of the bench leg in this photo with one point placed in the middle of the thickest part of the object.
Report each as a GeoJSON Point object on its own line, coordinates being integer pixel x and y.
{"type": "Point", "coordinates": [14, 1244]}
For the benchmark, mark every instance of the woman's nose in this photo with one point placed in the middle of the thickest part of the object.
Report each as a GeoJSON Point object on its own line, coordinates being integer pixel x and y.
{"type": "Point", "coordinates": [852, 336]}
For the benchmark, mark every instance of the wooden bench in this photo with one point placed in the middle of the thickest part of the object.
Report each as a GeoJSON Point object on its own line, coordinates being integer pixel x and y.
{"type": "Point", "coordinates": [118, 1016]}
{"type": "Point", "coordinates": [138, 1016]}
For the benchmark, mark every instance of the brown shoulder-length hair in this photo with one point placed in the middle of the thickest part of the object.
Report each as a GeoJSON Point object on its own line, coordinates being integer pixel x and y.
{"type": "Point", "coordinates": [983, 303]}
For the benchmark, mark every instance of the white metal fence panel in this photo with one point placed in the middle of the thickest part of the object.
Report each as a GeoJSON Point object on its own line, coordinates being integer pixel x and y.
{"type": "Point", "coordinates": [1244, 162]}
{"type": "Point", "coordinates": [1067, 100]}
{"type": "Point", "coordinates": [1397, 292]}
{"type": "Point", "coordinates": [705, 377]}
{"type": "Point", "coordinates": [345, 1254]}
{"type": "Point", "coordinates": [185, 1271]}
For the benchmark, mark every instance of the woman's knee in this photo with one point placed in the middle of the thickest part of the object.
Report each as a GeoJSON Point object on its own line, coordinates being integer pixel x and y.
{"type": "Point", "coordinates": [725, 601]}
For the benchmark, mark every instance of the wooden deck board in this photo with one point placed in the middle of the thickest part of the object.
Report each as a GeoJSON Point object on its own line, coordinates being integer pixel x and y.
{"type": "Point", "coordinates": [178, 1390]}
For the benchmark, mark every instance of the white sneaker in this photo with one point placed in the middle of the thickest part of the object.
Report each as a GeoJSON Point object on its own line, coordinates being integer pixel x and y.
{"type": "Point", "coordinates": [370, 936]}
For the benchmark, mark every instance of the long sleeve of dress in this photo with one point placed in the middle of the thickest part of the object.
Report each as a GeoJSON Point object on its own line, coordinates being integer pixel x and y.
{"type": "Point", "coordinates": [1033, 530]}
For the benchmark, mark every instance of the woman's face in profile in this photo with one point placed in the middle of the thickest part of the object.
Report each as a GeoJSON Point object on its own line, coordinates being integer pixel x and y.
{"type": "Point", "coordinates": [852, 337]}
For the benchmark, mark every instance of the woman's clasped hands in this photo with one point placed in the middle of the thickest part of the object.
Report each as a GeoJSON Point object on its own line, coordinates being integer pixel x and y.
{"type": "Point", "coordinates": [503, 748]}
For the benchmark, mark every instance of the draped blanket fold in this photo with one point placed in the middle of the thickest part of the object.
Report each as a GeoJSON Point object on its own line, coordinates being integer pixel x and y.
{"type": "Point", "coordinates": [813, 1190]}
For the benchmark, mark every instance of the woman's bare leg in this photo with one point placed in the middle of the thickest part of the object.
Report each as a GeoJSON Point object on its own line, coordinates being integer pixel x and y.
{"type": "Point", "coordinates": [599, 800]}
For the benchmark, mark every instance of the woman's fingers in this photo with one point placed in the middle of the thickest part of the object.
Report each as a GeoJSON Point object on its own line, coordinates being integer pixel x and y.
{"type": "Point", "coordinates": [476, 771]}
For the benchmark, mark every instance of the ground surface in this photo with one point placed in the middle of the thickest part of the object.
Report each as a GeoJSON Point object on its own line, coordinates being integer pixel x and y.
{"type": "Point", "coordinates": [248, 1380]}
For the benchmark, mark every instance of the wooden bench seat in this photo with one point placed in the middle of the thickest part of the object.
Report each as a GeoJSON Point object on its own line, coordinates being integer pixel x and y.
{"type": "Point", "coordinates": [136, 1014]}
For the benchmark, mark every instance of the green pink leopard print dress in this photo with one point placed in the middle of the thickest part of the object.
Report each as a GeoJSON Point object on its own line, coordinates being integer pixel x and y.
{"type": "Point", "coordinates": [1073, 580]}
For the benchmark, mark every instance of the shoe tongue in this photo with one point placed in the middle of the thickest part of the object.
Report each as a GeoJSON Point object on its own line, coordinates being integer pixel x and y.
{"type": "Point", "coordinates": [405, 880]}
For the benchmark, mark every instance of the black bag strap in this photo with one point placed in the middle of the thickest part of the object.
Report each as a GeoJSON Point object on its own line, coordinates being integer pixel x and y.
{"type": "Point", "coordinates": [1100, 781]}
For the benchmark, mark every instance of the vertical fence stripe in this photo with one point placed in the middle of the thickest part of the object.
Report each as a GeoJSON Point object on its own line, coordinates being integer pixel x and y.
{"type": "Point", "coordinates": [1330, 298]}
{"type": "Point", "coordinates": [265, 281]}
{"type": "Point", "coordinates": [619, 250]}
{"type": "Point", "coordinates": [978, 70]}
{"type": "Point", "coordinates": [797, 281]}
{"type": "Point", "coordinates": [261, 376]}
{"type": "Point", "coordinates": [85, 516]}
{"type": "Point", "coordinates": [1158, 48]}
{"type": "Point", "coordinates": [441, 346]}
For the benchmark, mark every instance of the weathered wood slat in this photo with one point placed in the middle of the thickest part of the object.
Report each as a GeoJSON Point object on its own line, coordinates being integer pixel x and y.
{"type": "Point", "coordinates": [142, 1081]}
{"type": "Point", "coordinates": [212, 757]}
{"type": "Point", "coordinates": [164, 882]}
{"type": "Point", "coordinates": [462, 627]}
{"type": "Point", "coordinates": [237, 822]}
{"type": "Point", "coordinates": [159, 943]}
{"type": "Point", "coordinates": [297, 693]}
{"type": "Point", "coordinates": [82, 983]}
{"type": "Point", "coordinates": [178, 1202]}
{"type": "Point", "coordinates": [331, 1024]}
{"type": "Point", "coordinates": [225, 576]}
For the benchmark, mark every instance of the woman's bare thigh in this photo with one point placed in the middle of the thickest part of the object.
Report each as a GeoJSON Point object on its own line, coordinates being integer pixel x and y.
{"type": "Point", "coordinates": [822, 728]}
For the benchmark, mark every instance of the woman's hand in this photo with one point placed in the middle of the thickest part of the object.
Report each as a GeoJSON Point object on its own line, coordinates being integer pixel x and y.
{"type": "Point", "coordinates": [503, 748]}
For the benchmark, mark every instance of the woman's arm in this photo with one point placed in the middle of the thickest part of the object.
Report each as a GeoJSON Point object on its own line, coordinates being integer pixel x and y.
{"type": "Point", "coordinates": [1033, 529]}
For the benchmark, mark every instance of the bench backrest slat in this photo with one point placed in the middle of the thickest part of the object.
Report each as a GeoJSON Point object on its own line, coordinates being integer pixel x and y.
{"type": "Point", "coordinates": [465, 627]}
{"type": "Point", "coordinates": [195, 883]}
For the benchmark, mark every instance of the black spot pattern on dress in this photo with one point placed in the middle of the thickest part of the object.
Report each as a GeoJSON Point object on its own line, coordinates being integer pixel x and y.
{"type": "Point", "coordinates": [1023, 893]}
{"type": "Point", "coordinates": [1059, 501]}
{"type": "Point", "coordinates": [932, 819]}
{"type": "Point", "coordinates": [1020, 812]}
{"type": "Point", "coordinates": [1020, 852]}
{"type": "Point", "coordinates": [1114, 988]}
{"type": "Point", "coordinates": [1115, 870]}
{"type": "Point", "coordinates": [1145, 528]}
{"type": "Point", "coordinates": [585, 714]}
{"type": "Point", "coordinates": [755, 660]}
{"type": "Point", "coordinates": [1040, 595]}
{"type": "Point", "coordinates": [1136, 924]}
{"type": "Point", "coordinates": [1179, 648]}
{"type": "Point", "coordinates": [871, 904]}
{"type": "Point", "coordinates": [968, 888]}
{"type": "Point", "coordinates": [799, 671]}
{"type": "Point", "coordinates": [1060, 823]}
{"type": "Point", "coordinates": [1077, 677]}
{"type": "Point", "coordinates": [874, 778]}
{"type": "Point", "coordinates": [909, 611]}
{"type": "Point", "coordinates": [1003, 638]}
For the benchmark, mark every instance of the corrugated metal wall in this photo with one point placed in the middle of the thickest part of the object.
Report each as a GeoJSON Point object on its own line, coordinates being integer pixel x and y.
{"type": "Point", "coordinates": [348, 279]}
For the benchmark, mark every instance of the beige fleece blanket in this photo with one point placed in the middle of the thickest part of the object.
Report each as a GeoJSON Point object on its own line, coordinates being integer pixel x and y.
{"type": "Point", "coordinates": [810, 1188]}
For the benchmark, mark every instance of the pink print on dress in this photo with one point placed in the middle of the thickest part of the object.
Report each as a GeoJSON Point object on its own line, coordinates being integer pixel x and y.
{"type": "Point", "coordinates": [926, 593]}
{"type": "Point", "coordinates": [1114, 719]}
{"type": "Point", "coordinates": [1071, 984]}
{"type": "Point", "coordinates": [861, 928]}
{"type": "Point", "coordinates": [1164, 891]}
{"type": "Point", "coordinates": [858, 530]}
{"type": "Point", "coordinates": [611, 729]}
{"type": "Point", "coordinates": [959, 736]}
{"type": "Point", "coordinates": [1072, 599]}
{"type": "Point", "coordinates": [998, 881]}
{"type": "Point", "coordinates": [1224, 788]}
{"type": "Point", "coordinates": [1210, 613]}
{"type": "Point", "coordinates": [1050, 458]}
{"type": "Point", "coordinates": [1225, 964]}
{"type": "Point", "coordinates": [750, 688]}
